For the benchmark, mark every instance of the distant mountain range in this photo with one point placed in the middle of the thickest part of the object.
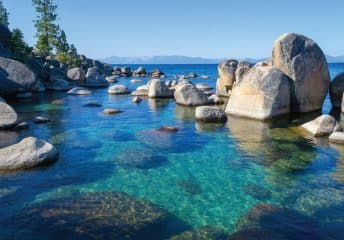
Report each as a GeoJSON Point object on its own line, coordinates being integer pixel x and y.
{"type": "Point", "coordinates": [175, 59]}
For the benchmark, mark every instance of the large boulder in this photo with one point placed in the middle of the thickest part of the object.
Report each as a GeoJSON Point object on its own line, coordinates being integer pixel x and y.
{"type": "Point", "coordinates": [126, 71]}
{"type": "Point", "coordinates": [28, 153]}
{"type": "Point", "coordinates": [321, 126]}
{"type": "Point", "coordinates": [187, 94]}
{"type": "Point", "coordinates": [8, 117]}
{"type": "Point", "coordinates": [95, 79]}
{"type": "Point", "coordinates": [304, 62]}
{"type": "Point", "coordinates": [226, 77]}
{"type": "Point", "coordinates": [241, 70]}
{"type": "Point", "coordinates": [16, 77]}
{"type": "Point", "coordinates": [157, 73]}
{"type": "Point", "coordinates": [210, 114]}
{"type": "Point", "coordinates": [336, 90]}
{"type": "Point", "coordinates": [57, 73]}
{"type": "Point", "coordinates": [140, 72]}
{"type": "Point", "coordinates": [263, 93]}
{"type": "Point", "coordinates": [336, 137]}
{"type": "Point", "coordinates": [158, 89]}
{"type": "Point", "coordinates": [76, 74]}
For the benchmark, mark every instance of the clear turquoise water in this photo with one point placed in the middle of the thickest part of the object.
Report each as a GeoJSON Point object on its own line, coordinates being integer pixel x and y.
{"type": "Point", "coordinates": [202, 174]}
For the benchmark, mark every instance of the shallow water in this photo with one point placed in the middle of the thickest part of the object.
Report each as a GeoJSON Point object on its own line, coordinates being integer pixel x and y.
{"type": "Point", "coordinates": [202, 174]}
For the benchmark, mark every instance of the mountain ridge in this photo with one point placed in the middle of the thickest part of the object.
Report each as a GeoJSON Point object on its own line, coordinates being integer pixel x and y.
{"type": "Point", "coordinates": [180, 59]}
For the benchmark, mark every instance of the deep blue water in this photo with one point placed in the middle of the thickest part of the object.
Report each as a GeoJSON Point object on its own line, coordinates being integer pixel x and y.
{"type": "Point", "coordinates": [204, 174]}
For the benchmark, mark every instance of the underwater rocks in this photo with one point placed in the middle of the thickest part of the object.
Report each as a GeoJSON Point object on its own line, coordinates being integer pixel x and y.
{"type": "Point", "coordinates": [28, 153]}
{"type": "Point", "coordinates": [258, 192]}
{"type": "Point", "coordinates": [141, 158]}
{"type": "Point", "coordinates": [15, 77]}
{"type": "Point", "coordinates": [187, 94]}
{"type": "Point", "coordinates": [92, 104]}
{"type": "Point", "coordinates": [154, 138]}
{"type": "Point", "coordinates": [79, 91]}
{"type": "Point", "coordinates": [118, 90]}
{"type": "Point", "coordinates": [321, 126]}
{"type": "Point", "coordinates": [168, 129]}
{"type": "Point", "coordinates": [99, 215]}
{"type": "Point", "coordinates": [305, 63]}
{"type": "Point", "coordinates": [210, 114]}
{"type": "Point", "coordinates": [158, 89]}
{"type": "Point", "coordinates": [190, 187]}
{"type": "Point", "coordinates": [263, 93]}
{"type": "Point", "coordinates": [265, 221]}
{"type": "Point", "coordinates": [8, 116]}
{"type": "Point", "coordinates": [202, 233]}
{"type": "Point", "coordinates": [226, 77]}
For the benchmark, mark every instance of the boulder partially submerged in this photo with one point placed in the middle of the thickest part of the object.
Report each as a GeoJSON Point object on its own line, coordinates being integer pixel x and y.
{"type": "Point", "coordinates": [321, 126]}
{"type": "Point", "coordinates": [158, 89]}
{"type": "Point", "coordinates": [28, 153]}
{"type": "Point", "coordinates": [305, 63]}
{"type": "Point", "coordinates": [118, 89]}
{"type": "Point", "coordinates": [210, 114]}
{"type": "Point", "coordinates": [226, 77]}
{"type": "Point", "coordinates": [263, 93]}
{"type": "Point", "coordinates": [95, 79]}
{"type": "Point", "coordinates": [187, 94]}
{"type": "Point", "coordinates": [8, 116]}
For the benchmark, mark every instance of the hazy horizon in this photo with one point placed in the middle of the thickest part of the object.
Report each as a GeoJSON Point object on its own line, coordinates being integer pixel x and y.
{"type": "Point", "coordinates": [217, 29]}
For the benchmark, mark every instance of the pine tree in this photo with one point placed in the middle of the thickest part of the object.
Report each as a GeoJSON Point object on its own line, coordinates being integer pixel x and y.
{"type": "Point", "coordinates": [74, 56]}
{"type": "Point", "coordinates": [3, 15]}
{"type": "Point", "coordinates": [45, 24]}
{"type": "Point", "coordinates": [18, 46]}
{"type": "Point", "coordinates": [62, 45]}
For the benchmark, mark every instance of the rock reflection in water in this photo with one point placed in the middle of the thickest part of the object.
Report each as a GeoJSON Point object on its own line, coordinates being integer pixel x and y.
{"type": "Point", "coordinates": [185, 113]}
{"type": "Point", "coordinates": [104, 215]}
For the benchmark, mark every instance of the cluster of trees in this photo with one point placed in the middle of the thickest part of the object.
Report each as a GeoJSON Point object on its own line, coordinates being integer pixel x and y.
{"type": "Point", "coordinates": [51, 39]}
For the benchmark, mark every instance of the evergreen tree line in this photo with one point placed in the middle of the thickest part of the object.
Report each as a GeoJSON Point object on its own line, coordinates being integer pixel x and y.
{"type": "Point", "coordinates": [51, 39]}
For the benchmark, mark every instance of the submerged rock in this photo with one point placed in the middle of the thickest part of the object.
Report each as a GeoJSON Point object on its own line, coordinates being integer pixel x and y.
{"type": "Point", "coordinates": [79, 91]}
{"type": "Point", "coordinates": [257, 192]}
{"type": "Point", "coordinates": [190, 187]}
{"type": "Point", "coordinates": [188, 94]}
{"type": "Point", "coordinates": [8, 116]}
{"type": "Point", "coordinates": [139, 158]}
{"type": "Point", "coordinates": [210, 114]}
{"type": "Point", "coordinates": [92, 104]}
{"type": "Point", "coordinates": [154, 138]}
{"type": "Point", "coordinates": [305, 63]}
{"type": "Point", "coordinates": [263, 93]}
{"type": "Point", "coordinates": [168, 129]}
{"type": "Point", "coordinates": [111, 111]}
{"type": "Point", "coordinates": [28, 153]}
{"type": "Point", "coordinates": [21, 126]}
{"type": "Point", "coordinates": [98, 215]}
{"type": "Point", "coordinates": [266, 221]}
{"type": "Point", "coordinates": [118, 90]}
{"type": "Point", "coordinates": [202, 233]}
{"type": "Point", "coordinates": [24, 95]}
{"type": "Point", "coordinates": [321, 126]}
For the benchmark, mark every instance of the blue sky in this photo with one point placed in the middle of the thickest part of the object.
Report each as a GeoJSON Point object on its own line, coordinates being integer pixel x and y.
{"type": "Point", "coordinates": [206, 28]}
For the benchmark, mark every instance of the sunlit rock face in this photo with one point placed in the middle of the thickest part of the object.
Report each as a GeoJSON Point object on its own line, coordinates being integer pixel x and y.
{"type": "Point", "coordinates": [226, 77]}
{"type": "Point", "coordinates": [263, 93]}
{"type": "Point", "coordinates": [305, 63]}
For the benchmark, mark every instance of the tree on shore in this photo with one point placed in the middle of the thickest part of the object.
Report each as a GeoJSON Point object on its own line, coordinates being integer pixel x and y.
{"type": "Point", "coordinates": [3, 15]}
{"type": "Point", "coordinates": [74, 56]}
{"type": "Point", "coordinates": [21, 51]}
{"type": "Point", "coordinates": [45, 25]}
